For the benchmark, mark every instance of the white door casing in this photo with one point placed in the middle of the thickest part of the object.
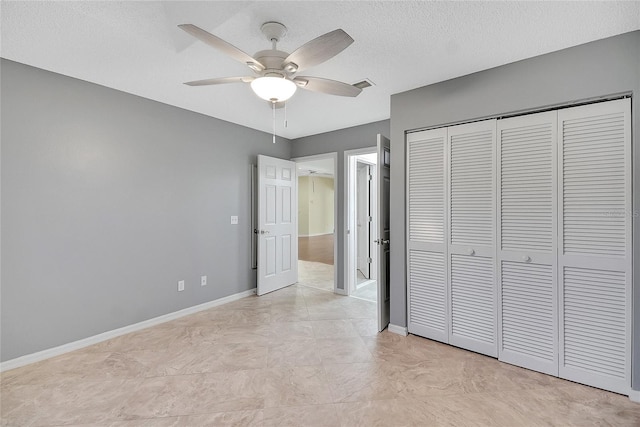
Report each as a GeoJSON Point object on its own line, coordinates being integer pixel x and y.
{"type": "Point", "coordinates": [383, 187]}
{"type": "Point", "coordinates": [277, 224]}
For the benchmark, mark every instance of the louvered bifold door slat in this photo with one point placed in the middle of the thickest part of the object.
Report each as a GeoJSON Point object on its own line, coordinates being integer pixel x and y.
{"type": "Point", "coordinates": [527, 241]}
{"type": "Point", "coordinates": [426, 229]}
{"type": "Point", "coordinates": [471, 224]}
{"type": "Point", "coordinates": [595, 242]}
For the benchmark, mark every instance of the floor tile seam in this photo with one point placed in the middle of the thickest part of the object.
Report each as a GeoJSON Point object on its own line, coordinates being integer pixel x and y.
{"type": "Point", "coordinates": [192, 414]}
{"type": "Point", "coordinates": [301, 405]}
{"type": "Point", "coordinates": [188, 374]}
{"type": "Point", "coordinates": [377, 399]}
{"type": "Point", "coordinates": [326, 378]}
{"type": "Point", "coordinates": [494, 393]}
{"type": "Point", "coordinates": [533, 388]}
{"type": "Point", "coordinates": [340, 363]}
{"type": "Point", "coordinates": [334, 406]}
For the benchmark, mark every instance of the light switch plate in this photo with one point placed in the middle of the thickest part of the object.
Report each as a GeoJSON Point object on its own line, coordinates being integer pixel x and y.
{"type": "Point", "coordinates": [181, 286]}
{"type": "Point", "coordinates": [234, 219]}
{"type": "Point", "coordinates": [203, 280]}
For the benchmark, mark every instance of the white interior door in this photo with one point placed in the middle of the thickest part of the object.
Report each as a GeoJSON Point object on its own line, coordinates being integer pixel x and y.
{"type": "Point", "coordinates": [595, 256]}
{"type": "Point", "coordinates": [527, 241]}
{"type": "Point", "coordinates": [363, 219]}
{"type": "Point", "coordinates": [428, 311]}
{"type": "Point", "coordinates": [471, 250]}
{"type": "Point", "coordinates": [383, 187]}
{"type": "Point", "coordinates": [277, 224]}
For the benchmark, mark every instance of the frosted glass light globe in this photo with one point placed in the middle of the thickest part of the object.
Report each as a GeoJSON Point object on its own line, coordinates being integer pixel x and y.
{"type": "Point", "coordinates": [274, 89]}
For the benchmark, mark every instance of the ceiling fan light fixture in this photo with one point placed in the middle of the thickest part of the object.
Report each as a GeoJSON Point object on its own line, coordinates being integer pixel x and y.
{"type": "Point", "coordinates": [274, 89]}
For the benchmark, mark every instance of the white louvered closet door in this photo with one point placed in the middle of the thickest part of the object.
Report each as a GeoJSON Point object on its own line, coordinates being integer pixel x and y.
{"type": "Point", "coordinates": [527, 241]}
{"type": "Point", "coordinates": [426, 243]}
{"type": "Point", "coordinates": [471, 225]}
{"type": "Point", "coordinates": [595, 244]}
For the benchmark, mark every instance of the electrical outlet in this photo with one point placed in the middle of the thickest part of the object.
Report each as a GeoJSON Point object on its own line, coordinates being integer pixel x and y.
{"type": "Point", "coordinates": [181, 286]}
{"type": "Point", "coordinates": [234, 220]}
{"type": "Point", "coordinates": [203, 280]}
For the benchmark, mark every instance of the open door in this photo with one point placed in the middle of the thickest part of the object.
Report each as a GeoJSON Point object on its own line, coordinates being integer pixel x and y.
{"type": "Point", "coordinates": [363, 219]}
{"type": "Point", "coordinates": [383, 187]}
{"type": "Point", "coordinates": [277, 224]}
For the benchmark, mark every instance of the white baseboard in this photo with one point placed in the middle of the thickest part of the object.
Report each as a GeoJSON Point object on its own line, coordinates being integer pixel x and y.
{"type": "Point", "coordinates": [363, 284]}
{"type": "Point", "coordinates": [85, 342]}
{"type": "Point", "coordinates": [315, 235]}
{"type": "Point", "coordinates": [340, 291]}
{"type": "Point", "coordinates": [634, 395]}
{"type": "Point", "coordinates": [395, 329]}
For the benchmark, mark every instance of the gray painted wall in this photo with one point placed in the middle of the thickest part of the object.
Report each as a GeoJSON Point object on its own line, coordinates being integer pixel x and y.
{"type": "Point", "coordinates": [338, 141]}
{"type": "Point", "coordinates": [599, 68]}
{"type": "Point", "coordinates": [108, 200]}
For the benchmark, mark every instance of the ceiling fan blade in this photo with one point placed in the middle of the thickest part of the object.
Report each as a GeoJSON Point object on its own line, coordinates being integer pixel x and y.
{"type": "Point", "coordinates": [319, 49]}
{"type": "Point", "coordinates": [332, 87]}
{"type": "Point", "coordinates": [219, 81]}
{"type": "Point", "coordinates": [222, 45]}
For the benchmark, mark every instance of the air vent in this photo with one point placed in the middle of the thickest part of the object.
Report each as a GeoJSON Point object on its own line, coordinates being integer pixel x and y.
{"type": "Point", "coordinates": [363, 84]}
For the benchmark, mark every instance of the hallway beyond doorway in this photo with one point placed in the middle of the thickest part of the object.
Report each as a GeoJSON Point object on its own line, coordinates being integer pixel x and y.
{"type": "Point", "coordinates": [316, 249]}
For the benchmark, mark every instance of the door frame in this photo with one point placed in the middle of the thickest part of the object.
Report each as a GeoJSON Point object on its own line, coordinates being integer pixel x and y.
{"type": "Point", "coordinates": [350, 261]}
{"type": "Point", "coordinates": [334, 156]}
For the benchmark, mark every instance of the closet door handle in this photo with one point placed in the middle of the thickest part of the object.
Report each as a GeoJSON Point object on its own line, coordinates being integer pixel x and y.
{"type": "Point", "coordinates": [526, 258]}
{"type": "Point", "coordinates": [471, 252]}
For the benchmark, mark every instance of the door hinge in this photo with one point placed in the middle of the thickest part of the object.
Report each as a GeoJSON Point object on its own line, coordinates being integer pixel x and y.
{"type": "Point", "coordinates": [370, 177]}
{"type": "Point", "coordinates": [369, 260]}
{"type": "Point", "coordinates": [370, 219]}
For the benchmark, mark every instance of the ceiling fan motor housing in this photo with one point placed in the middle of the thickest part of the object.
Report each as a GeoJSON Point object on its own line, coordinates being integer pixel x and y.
{"type": "Point", "coordinates": [272, 61]}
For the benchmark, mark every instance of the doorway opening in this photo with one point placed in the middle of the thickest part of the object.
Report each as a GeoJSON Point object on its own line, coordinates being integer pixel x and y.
{"type": "Point", "coordinates": [317, 210]}
{"type": "Point", "coordinates": [362, 207]}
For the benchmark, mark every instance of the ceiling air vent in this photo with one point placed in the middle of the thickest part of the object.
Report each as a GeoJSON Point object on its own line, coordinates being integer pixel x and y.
{"type": "Point", "coordinates": [363, 84]}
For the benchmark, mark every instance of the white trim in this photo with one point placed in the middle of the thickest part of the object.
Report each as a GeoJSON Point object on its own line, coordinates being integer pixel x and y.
{"type": "Point", "coordinates": [85, 342]}
{"type": "Point", "coordinates": [365, 283]}
{"type": "Point", "coordinates": [395, 329]}
{"type": "Point", "coordinates": [634, 395]}
{"type": "Point", "coordinates": [332, 155]}
{"type": "Point", "coordinates": [341, 291]}
{"type": "Point", "coordinates": [314, 235]}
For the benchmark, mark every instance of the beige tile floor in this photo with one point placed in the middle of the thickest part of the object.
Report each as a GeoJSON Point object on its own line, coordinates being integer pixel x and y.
{"type": "Point", "coordinates": [367, 292]}
{"type": "Point", "coordinates": [295, 357]}
{"type": "Point", "coordinates": [316, 275]}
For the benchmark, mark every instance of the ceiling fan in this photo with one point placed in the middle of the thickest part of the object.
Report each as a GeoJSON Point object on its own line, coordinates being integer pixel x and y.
{"type": "Point", "coordinates": [275, 76]}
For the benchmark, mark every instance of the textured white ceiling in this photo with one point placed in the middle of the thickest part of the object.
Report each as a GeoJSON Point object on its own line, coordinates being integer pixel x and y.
{"type": "Point", "coordinates": [136, 47]}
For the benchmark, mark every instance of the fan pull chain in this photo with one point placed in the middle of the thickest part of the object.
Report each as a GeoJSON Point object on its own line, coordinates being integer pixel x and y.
{"type": "Point", "coordinates": [273, 104]}
{"type": "Point", "coordinates": [285, 115]}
